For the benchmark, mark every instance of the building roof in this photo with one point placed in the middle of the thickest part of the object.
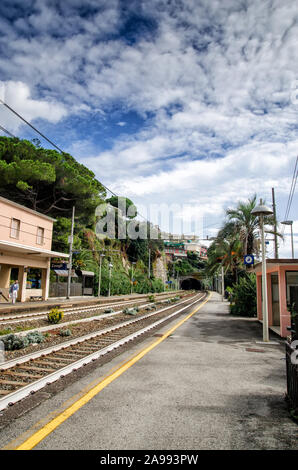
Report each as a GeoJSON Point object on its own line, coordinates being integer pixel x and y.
{"type": "Point", "coordinates": [30, 250]}
{"type": "Point", "coordinates": [274, 262]}
{"type": "Point", "coordinates": [20, 206]}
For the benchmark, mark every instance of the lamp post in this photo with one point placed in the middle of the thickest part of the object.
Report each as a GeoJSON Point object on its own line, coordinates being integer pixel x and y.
{"type": "Point", "coordinates": [110, 270]}
{"type": "Point", "coordinates": [101, 256]}
{"type": "Point", "coordinates": [290, 222]}
{"type": "Point", "coordinates": [261, 210]}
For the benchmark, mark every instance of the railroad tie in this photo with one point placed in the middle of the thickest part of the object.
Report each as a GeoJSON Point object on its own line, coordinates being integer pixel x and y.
{"type": "Point", "coordinates": [12, 382]}
{"type": "Point", "coordinates": [37, 369]}
{"type": "Point", "coordinates": [20, 374]}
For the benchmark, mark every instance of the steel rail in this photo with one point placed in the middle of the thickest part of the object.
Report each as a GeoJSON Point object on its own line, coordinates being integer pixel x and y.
{"type": "Point", "coordinates": [24, 391]}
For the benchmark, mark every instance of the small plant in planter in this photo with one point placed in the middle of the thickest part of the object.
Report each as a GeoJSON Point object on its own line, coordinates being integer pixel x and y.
{"type": "Point", "coordinates": [55, 315]}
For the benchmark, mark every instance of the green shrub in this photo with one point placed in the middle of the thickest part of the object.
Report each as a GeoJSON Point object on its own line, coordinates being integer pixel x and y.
{"type": "Point", "coordinates": [108, 310]}
{"type": "Point", "coordinates": [13, 342]}
{"type": "Point", "coordinates": [6, 331]}
{"type": "Point", "coordinates": [35, 337]}
{"type": "Point", "coordinates": [130, 311]}
{"type": "Point", "coordinates": [65, 332]}
{"type": "Point", "coordinates": [244, 297]}
{"type": "Point", "coordinates": [151, 298]}
{"type": "Point", "coordinates": [55, 315]}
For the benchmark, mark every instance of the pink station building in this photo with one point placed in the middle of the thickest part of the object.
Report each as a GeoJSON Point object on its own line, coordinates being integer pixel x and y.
{"type": "Point", "coordinates": [282, 290]}
{"type": "Point", "coordinates": [25, 251]}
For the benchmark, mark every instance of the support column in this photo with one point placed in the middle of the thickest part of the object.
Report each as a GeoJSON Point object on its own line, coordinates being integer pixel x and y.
{"type": "Point", "coordinates": [285, 317]}
{"type": "Point", "coordinates": [269, 297]}
{"type": "Point", "coordinates": [259, 296]}
{"type": "Point", "coordinates": [22, 278]}
{"type": "Point", "coordinates": [45, 282]}
{"type": "Point", "coordinates": [5, 271]}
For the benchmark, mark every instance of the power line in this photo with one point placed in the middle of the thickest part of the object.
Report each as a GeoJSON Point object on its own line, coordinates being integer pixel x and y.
{"type": "Point", "coordinates": [7, 132]}
{"type": "Point", "coordinates": [28, 123]}
{"type": "Point", "coordinates": [48, 140]}
{"type": "Point", "coordinates": [292, 189]}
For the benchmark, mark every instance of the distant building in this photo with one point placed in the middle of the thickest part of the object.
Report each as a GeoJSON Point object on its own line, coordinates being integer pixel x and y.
{"type": "Point", "coordinates": [177, 247]}
{"type": "Point", "coordinates": [25, 250]}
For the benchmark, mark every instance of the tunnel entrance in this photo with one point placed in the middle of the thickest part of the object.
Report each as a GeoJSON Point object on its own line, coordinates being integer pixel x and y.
{"type": "Point", "coordinates": [190, 284]}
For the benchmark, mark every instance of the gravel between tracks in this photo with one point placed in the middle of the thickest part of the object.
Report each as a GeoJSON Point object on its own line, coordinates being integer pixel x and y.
{"type": "Point", "coordinates": [77, 330]}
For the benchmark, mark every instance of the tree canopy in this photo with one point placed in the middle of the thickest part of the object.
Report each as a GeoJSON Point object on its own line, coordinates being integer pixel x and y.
{"type": "Point", "coordinates": [47, 181]}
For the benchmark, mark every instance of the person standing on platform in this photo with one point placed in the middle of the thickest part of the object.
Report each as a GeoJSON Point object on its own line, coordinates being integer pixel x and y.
{"type": "Point", "coordinates": [13, 290]}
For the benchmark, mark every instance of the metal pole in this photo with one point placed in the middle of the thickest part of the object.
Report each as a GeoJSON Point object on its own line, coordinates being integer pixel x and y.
{"type": "Point", "coordinates": [275, 225]}
{"type": "Point", "coordinates": [222, 284]}
{"type": "Point", "coordinates": [131, 277]}
{"type": "Point", "coordinates": [264, 284]}
{"type": "Point", "coordinates": [110, 269]}
{"type": "Point", "coordinates": [149, 263]}
{"type": "Point", "coordinates": [292, 241]}
{"type": "Point", "coordinates": [70, 253]}
{"type": "Point", "coordinates": [99, 275]}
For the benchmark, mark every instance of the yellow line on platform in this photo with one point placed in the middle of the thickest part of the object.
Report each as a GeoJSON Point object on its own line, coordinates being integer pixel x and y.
{"type": "Point", "coordinates": [43, 432]}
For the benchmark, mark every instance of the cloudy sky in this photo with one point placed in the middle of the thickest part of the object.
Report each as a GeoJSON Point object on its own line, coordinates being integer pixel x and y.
{"type": "Point", "coordinates": [190, 103]}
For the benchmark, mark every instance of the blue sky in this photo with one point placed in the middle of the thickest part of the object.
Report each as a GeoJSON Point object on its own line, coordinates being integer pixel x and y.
{"type": "Point", "coordinates": [190, 103]}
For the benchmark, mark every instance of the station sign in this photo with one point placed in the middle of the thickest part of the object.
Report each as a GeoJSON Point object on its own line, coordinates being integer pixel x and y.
{"type": "Point", "coordinates": [249, 259]}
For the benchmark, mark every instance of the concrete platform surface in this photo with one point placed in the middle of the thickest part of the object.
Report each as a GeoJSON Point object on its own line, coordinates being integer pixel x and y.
{"type": "Point", "coordinates": [207, 386]}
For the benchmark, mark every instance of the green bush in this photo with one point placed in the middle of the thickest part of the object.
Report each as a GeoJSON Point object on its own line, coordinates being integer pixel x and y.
{"type": "Point", "coordinates": [55, 315]}
{"type": "Point", "coordinates": [130, 311]}
{"type": "Point", "coordinates": [244, 297]}
{"type": "Point", "coordinates": [65, 332]}
{"type": "Point", "coordinates": [35, 337]}
{"type": "Point", "coordinates": [13, 342]}
{"type": "Point", "coordinates": [109, 310]}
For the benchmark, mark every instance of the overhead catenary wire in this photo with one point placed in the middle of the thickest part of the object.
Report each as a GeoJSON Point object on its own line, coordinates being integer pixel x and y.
{"type": "Point", "coordinates": [50, 142]}
{"type": "Point", "coordinates": [292, 189]}
{"type": "Point", "coordinates": [57, 147]}
{"type": "Point", "coordinates": [7, 132]}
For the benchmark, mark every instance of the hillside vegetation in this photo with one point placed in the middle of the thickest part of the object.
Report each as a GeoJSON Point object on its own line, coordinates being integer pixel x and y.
{"type": "Point", "coordinates": [52, 183]}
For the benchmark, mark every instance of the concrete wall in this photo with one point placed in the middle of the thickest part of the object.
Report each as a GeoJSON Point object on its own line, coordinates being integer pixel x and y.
{"type": "Point", "coordinates": [29, 222]}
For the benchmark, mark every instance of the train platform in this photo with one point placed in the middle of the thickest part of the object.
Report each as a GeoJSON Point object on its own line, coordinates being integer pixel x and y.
{"type": "Point", "coordinates": [203, 384]}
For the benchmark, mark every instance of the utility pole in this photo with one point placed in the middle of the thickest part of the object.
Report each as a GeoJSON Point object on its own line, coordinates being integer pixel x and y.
{"type": "Point", "coordinates": [70, 239]}
{"type": "Point", "coordinates": [275, 226]}
{"type": "Point", "coordinates": [99, 275]}
{"type": "Point", "coordinates": [131, 277]}
{"type": "Point", "coordinates": [110, 272]}
{"type": "Point", "coordinates": [149, 267]}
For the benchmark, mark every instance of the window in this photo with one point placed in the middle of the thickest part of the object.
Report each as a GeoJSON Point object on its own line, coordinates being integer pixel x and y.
{"type": "Point", "coordinates": [15, 228]}
{"type": "Point", "coordinates": [40, 235]}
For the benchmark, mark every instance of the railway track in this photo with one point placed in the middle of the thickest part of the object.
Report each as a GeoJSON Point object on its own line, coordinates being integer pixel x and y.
{"type": "Point", "coordinates": [18, 318]}
{"type": "Point", "coordinates": [27, 374]}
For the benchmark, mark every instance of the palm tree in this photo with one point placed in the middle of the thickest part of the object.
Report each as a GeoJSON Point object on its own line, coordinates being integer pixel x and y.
{"type": "Point", "coordinates": [226, 252]}
{"type": "Point", "coordinates": [246, 224]}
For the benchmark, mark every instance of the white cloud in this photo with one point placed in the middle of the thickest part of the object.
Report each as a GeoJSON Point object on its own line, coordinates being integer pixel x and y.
{"type": "Point", "coordinates": [17, 96]}
{"type": "Point", "coordinates": [213, 81]}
